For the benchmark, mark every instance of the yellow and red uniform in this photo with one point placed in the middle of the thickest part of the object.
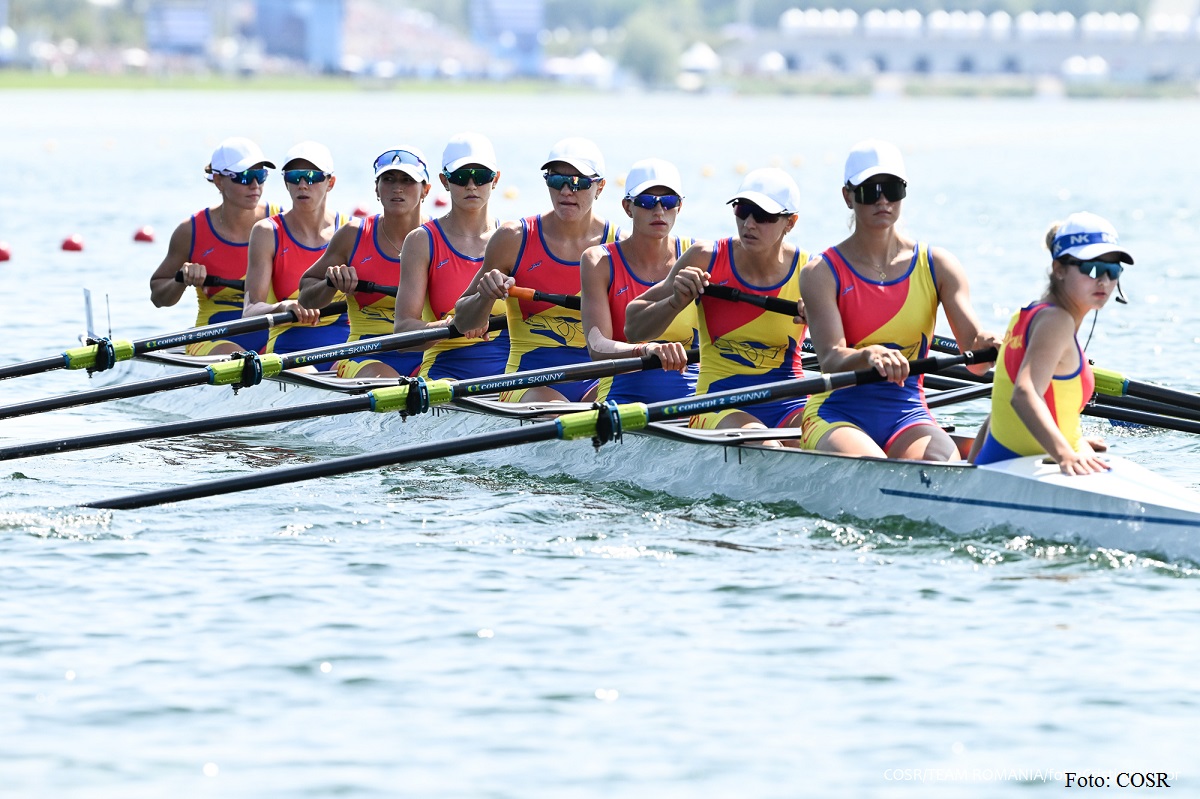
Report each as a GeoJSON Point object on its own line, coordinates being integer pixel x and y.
{"type": "Point", "coordinates": [292, 259]}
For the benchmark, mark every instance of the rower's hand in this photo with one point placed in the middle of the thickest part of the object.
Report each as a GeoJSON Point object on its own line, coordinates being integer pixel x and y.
{"type": "Point", "coordinates": [888, 362]}
{"type": "Point", "coordinates": [801, 318]}
{"type": "Point", "coordinates": [985, 340]}
{"type": "Point", "coordinates": [193, 274]}
{"type": "Point", "coordinates": [671, 353]}
{"type": "Point", "coordinates": [344, 278]}
{"type": "Point", "coordinates": [304, 316]}
{"type": "Point", "coordinates": [687, 286]}
{"type": "Point", "coordinates": [1083, 462]}
{"type": "Point", "coordinates": [494, 285]}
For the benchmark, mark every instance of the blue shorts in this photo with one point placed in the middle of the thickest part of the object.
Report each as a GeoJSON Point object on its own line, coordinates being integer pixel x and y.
{"type": "Point", "coordinates": [881, 410]}
{"type": "Point", "coordinates": [547, 357]}
{"type": "Point", "coordinates": [481, 359]}
{"type": "Point", "coordinates": [651, 385]}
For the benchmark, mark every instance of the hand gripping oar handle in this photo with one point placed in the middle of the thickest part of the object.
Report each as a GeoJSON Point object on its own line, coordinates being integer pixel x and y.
{"type": "Point", "coordinates": [772, 304]}
{"type": "Point", "coordinates": [367, 287]}
{"type": "Point", "coordinates": [213, 280]}
{"type": "Point", "coordinates": [633, 416]}
{"type": "Point", "coordinates": [571, 301]}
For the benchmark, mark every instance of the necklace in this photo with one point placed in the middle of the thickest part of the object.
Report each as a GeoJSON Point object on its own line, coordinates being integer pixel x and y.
{"type": "Point", "coordinates": [388, 239]}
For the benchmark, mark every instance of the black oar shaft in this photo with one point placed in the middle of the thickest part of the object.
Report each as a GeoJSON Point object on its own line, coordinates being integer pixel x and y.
{"type": "Point", "coordinates": [1143, 418]}
{"type": "Point", "coordinates": [368, 287]}
{"type": "Point", "coordinates": [213, 280]}
{"type": "Point", "coordinates": [31, 367]}
{"type": "Point", "coordinates": [542, 431]}
{"type": "Point", "coordinates": [169, 383]}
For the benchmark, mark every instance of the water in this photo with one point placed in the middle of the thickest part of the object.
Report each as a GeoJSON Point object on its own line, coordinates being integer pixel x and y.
{"type": "Point", "coordinates": [458, 631]}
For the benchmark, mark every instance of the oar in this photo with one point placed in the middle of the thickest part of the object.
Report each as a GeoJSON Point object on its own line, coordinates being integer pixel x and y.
{"type": "Point", "coordinates": [244, 369]}
{"type": "Point", "coordinates": [602, 425]}
{"type": "Point", "coordinates": [105, 353]}
{"type": "Point", "coordinates": [367, 287]}
{"type": "Point", "coordinates": [571, 301]}
{"type": "Point", "coordinates": [772, 304]}
{"type": "Point", "coordinates": [405, 397]}
{"type": "Point", "coordinates": [213, 280]}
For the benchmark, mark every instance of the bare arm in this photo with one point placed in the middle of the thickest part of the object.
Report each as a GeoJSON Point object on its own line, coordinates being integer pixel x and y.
{"type": "Point", "coordinates": [414, 284]}
{"type": "Point", "coordinates": [650, 314]}
{"type": "Point", "coordinates": [954, 293]}
{"type": "Point", "coordinates": [491, 282]}
{"type": "Point", "coordinates": [164, 291]}
{"type": "Point", "coordinates": [1051, 341]}
{"type": "Point", "coordinates": [314, 291]}
{"type": "Point", "coordinates": [259, 268]}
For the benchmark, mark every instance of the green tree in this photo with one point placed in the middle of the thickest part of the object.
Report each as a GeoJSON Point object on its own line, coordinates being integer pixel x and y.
{"type": "Point", "coordinates": [651, 48]}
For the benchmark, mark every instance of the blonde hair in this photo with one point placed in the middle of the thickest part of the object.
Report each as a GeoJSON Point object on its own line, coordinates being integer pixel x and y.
{"type": "Point", "coordinates": [1054, 288]}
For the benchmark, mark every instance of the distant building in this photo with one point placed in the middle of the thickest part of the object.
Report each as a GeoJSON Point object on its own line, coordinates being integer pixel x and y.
{"type": "Point", "coordinates": [309, 31]}
{"type": "Point", "coordinates": [179, 27]}
{"type": "Point", "coordinates": [509, 30]}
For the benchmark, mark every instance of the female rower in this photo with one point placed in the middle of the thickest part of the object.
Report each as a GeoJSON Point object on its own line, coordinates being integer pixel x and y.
{"type": "Point", "coordinates": [615, 274]}
{"type": "Point", "coordinates": [543, 252]}
{"type": "Point", "coordinates": [872, 303]}
{"type": "Point", "coordinates": [370, 251]}
{"type": "Point", "coordinates": [740, 344]}
{"type": "Point", "coordinates": [283, 246]}
{"type": "Point", "coordinates": [213, 242]}
{"type": "Point", "coordinates": [1043, 379]}
{"type": "Point", "coordinates": [443, 255]}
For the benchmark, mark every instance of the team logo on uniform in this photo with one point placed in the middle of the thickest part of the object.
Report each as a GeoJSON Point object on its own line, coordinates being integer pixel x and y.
{"type": "Point", "coordinates": [848, 289]}
{"type": "Point", "coordinates": [285, 250]}
{"type": "Point", "coordinates": [366, 258]}
{"type": "Point", "coordinates": [561, 329]}
{"type": "Point", "coordinates": [207, 252]}
{"type": "Point", "coordinates": [622, 290]}
{"type": "Point", "coordinates": [442, 263]}
{"type": "Point", "coordinates": [751, 353]}
{"type": "Point", "coordinates": [534, 265]}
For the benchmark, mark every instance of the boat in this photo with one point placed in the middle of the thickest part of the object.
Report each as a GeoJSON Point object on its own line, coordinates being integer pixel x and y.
{"type": "Point", "coordinates": [1129, 508]}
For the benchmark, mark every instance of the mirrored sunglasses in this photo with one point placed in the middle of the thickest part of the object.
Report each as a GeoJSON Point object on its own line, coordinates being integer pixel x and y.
{"type": "Point", "coordinates": [246, 177]}
{"type": "Point", "coordinates": [869, 193]}
{"type": "Point", "coordinates": [1094, 269]}
{"type": "Point", "coordinates": [464, 175]}
{"type": "Point", "coordinates": [294, 176]}
{"type": "Point", "coordinates": [744, 209]}
{"type": "Point", "coordinates": [575, 182]}
{"type": "Point", "coordinates": [667, 201]}
{"type": "Point", "coordinates": [401, 157]}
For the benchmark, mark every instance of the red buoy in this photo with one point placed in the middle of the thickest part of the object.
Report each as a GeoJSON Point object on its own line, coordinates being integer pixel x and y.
{"type": "Point", "coordinates": [5, 252]}
{"type": "Point", "coordinates": [441, 201]}
{"type": "Point", "coordinates": [362, 210]}
{"type": "Point", "coordinates": [144, 233]}
{"type": "Point", "coordinates": [73, 243]}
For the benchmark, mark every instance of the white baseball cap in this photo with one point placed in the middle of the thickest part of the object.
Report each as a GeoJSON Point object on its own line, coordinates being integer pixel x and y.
{"type": "Point", "coordinates": [1086, 236]}
{"type": "Point", "coordinates": [237, 155]}
{"type": "Point", "coordinates": [873, 157]}
{"type": "Point", "coordinates": [771, 189]}
{"type": "Point", "coordinates": [651, 172]}
{"type": "Point", "coordinates": [316, 154]}
{"type": "Point", "coordinates": [469, 148]}
{"type": "Point", "coordinates": [583, 154]}
{"type": "Point", "coordinates": [408, 160]}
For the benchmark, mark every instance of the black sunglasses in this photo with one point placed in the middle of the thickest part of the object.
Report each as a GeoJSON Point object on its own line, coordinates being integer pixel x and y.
{"type": "Point", "coordinates": [577, 183]}
{"type": "Point", "coordinates": [744, 208]}
{"type": "Point", "coordinates": [311, 175]}
{"type": "Point", "coordinates": [869, 193]}
{"type": "Point", "coordinates": [1094, 269]}
{"type": "Point", "coordinates": [464, 175]}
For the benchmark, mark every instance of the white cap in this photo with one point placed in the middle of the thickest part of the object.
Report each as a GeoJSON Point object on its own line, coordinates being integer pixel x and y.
{"type": "Point", "coordinates": [408, 160]}
{"type": "Point", "coordinates": [469, 148]}
{"type": "Point", "coordinates": [316, 154]}
{"type": "Point", "coordinates": [1086, 236]}
{"type": "Point", "coordinates": [651, 172]}
{"type": "Point", "coordinates": [873, 157]}
{"type": "Point", "coordinates": [583, 154]}
{"type": "Point", "coordinates": [771, 189]}
{"type": "Point", "coordinates": [237, 155]}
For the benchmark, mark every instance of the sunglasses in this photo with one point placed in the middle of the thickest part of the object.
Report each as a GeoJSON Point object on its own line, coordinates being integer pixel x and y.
{"type": "Point", "coordinates": [648, 201]}
{"type": "Point", "coordinates": [869, 193]}
{"type": "Point", "coordinates": [575, 182]}
{"type": "Point", "coordinates": [1096, 269]}
{"type": "Point", "coordinates": [246, 177]}
{"type": "Point", "coordinates": [402, 157]}
{"type": "Point", "coordinates": [294, 176]}
{"type": "Point", "coordinates": [743, 209]}
{"type": "Point", "coordinates": [464, 175]}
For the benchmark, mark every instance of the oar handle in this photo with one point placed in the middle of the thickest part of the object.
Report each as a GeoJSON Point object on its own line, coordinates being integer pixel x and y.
{"type": "Point", "coordinates": [332, 309]}
{"type": "Point", "coordinates": [367, 287]}
{"type": "Point", "coordinates": [571, 301]}
{"type": "Point", "coordinates": [213, 280]}
{"type": "Point", "coordinates": [772, 304]}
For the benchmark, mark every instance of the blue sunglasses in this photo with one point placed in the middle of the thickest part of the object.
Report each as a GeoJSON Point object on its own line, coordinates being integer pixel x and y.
{"type": "Point", "coordinates": [246, 176]}
{"type": "Point", "coordinates": [311, 175]}
{"type": "Point", "coordinates": [648, 201]}
{"type": "Point", "coordinates": [1094, 269]}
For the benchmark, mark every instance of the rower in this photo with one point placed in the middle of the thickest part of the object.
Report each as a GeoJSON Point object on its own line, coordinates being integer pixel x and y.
{"type": "Point", "coordinates": [617, 273]}
{"type": "Point", "coordinates": [213, 242]}
{"type": "Point", "coordinates": [872, 303]}
{"type": "Point", "coordinates": [442, 256]}
{"type": "Point", "coordinates": [740, 344]}
{"type": "Point", "coordinates": [1043, 379]}
{"type": "Point", "coordinates": [543, 252]}
{"type": "Point", "coordinates": [283, 246]}
{"type": "Point", "coordinates": [370, 251]}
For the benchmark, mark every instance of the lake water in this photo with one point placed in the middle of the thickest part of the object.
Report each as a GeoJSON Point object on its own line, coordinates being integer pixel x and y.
{"type": "Point", "coordinates": [444, 630]}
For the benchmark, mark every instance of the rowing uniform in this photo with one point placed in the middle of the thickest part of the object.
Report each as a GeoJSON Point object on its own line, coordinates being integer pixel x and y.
{"type": "Point", "coordinates": [542, 335]}
{"type": "Point", "coordinates": [1008, 437]}
{"type": "Point", "coordinates": [898, 314]}
{"type": "Point", "coordinates": [371, 313]}
{"type": "Point", "coordinates": [743, 345]}
{"type": "Point", "coordinates": [292, 259]}
{"type": "Point", "coordinates": [649, 385]}
{"type": "Point", "coordinates": [215, 304]}
{"type": "Point", "coordinates": [450, 274]}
